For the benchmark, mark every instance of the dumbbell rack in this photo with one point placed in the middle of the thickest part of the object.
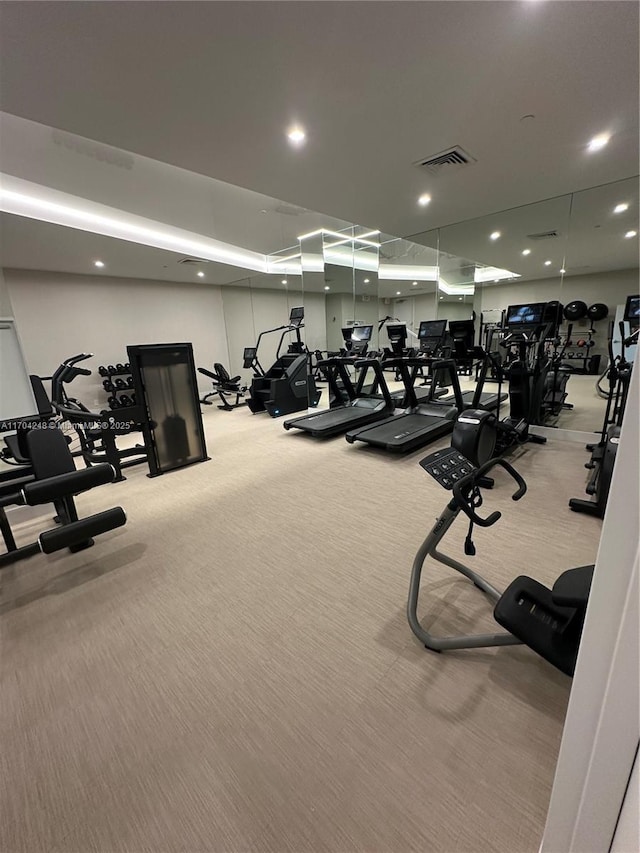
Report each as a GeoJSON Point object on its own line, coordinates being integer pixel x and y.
{"type": "Point", "coordinates": [589, 361]}
{"type": "Point", "coordinates": [118, 384]}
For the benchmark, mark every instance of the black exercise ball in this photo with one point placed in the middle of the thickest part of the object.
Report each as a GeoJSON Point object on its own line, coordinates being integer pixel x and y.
{"type": "Point", "coordinates": [598, 311]}
{"type": "Point", "coordinates": [575, 310]}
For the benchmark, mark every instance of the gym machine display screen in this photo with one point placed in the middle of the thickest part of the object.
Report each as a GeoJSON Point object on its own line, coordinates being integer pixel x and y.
{"type": "Point", "coordinates": [525, 315]}
{"type": "Point", "coordinates": [346, 334]}
{"type": "Point", "coordinates": [432, 329]}
{"type": "Point", "coordinates": [397, 331]}
{"type": "Point", "coordinates": [164, 377]}
{"type": "Point", "coordinates": [632, 310]}
{"type": "Point", "coordinates": [361, 333]}
{"type": "Point", "coordinates": [248, 356]}
{"type": "Point", "coordinates": [296, 316]}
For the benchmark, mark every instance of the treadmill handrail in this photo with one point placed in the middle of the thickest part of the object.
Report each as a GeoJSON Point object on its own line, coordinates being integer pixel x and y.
{"type": "Point", "coordinates": [373, 363]}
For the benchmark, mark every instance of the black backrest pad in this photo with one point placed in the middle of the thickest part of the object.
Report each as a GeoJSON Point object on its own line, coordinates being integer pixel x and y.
{"type": "Point", "coordinates": [221, 371]}
{"type": "Point", "coordinates": [49, 453]}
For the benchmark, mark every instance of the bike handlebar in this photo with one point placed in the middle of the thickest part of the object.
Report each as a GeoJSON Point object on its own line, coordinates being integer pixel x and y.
{"type": "Point", "coordinates": [461, 496]}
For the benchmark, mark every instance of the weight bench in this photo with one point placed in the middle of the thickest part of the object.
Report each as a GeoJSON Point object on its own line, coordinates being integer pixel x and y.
{"type": "Point", "coordinates": [224, 386]}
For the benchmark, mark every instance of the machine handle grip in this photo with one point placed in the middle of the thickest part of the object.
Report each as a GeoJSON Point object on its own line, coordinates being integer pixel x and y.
{"type": "Point", "coordinates": [82, 356]}
{"type": "Point", "coordinates": [460, 491]}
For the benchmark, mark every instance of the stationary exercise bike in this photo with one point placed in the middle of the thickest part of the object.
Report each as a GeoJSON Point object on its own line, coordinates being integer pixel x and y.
{"type": "Point", "coordinates": [549, 621]}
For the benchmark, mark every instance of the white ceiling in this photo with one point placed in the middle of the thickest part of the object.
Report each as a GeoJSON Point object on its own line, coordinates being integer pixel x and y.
{"type": "Point", "coordinates": [211, 87]}
{"type": "Point", "coordinates": [378, 116]}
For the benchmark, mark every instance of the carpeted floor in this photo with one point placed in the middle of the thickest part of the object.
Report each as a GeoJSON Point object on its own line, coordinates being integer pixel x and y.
{"type": "Point", "coordinates": [233, 670]}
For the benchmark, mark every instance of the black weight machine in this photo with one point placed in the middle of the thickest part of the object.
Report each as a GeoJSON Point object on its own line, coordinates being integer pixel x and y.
{"type": "Point", "coordinates": [97, 431]}
{"type": "Point", "coordinates": [288, 385]}
{"type": "Point", "coordinates": [54, 479]}
{"type": "Point", "coordinates": [549, 621]}
{"type": "Point", "coordinates": [603, 453]}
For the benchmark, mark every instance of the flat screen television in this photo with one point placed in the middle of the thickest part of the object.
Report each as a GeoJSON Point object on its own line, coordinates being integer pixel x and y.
{"type": "Point", "coordinates": [361, 333]}
{"type": "Point", "coordinates": [432, 329]}
{"type": "Point", "coordinates": [530, 314]}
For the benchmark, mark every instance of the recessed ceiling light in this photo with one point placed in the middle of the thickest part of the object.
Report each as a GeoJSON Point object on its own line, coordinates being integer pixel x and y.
{"type": "Point", "coordinates": [284, 281]}
{"type": "Point", "coordinates": [414, 283]}
{"type": "Point", "coordinates": [620, 208]}
{"type": "Point", "coordinates": [200, 274]}
{"type": "Point", "coordinates": [563, 271]}
{"type": "Point", "coordinates": [496, 280]}
{"type": "Point", "coordinates": [296, 135]}
{"type": "Point", "coordinates": [442, 297]}
{"type": "Point", "coordinates": [424, 199]}
{"type": "Point", "coordinates": [460, 298]}
{"type": "Point", "coordinates": [598, 142]}
{"type": "Point", "coordinates": [547, 263]}
{"type": "Point", "coordinates": [398, 293]}
{"type": "Point", "coordinates": [630, 234]}
{"type": "Point", "coordinates": [526, 251]}
{"type": "Point", "coordinates": [326, 287]}
{"type": "Point", "coordinates": [98, 263]}
{"type": "Point", "coordinates": [366, 281]}
{"type": "Point", "coordinates": [495, 235]}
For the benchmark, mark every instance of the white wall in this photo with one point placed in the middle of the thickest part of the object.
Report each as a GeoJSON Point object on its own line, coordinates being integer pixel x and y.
{"type": "Point", "coordinates": [59, 315]}
{"type": "Point", "coordinates": [602, 726]}
{"type": "Point", "coordinates": [5, 303]}
{"type": "Point", "coordinates": [249, 311]}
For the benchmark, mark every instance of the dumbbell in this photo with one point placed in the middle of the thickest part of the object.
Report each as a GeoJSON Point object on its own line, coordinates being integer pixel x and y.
{"type": "Point", "coordinates": [113, 402]}
{"type": "Point", "coordinates": [111, 369]}
{"type": "Point", "coordinates": [120, 384]}
{"type": "Point", "coordinates": [120, 368]}
{"type": "Point", "coordinates": [127, 366]}
{"type": "Point", "coordinates": [133, 399]}
{"type": "Point", "coordinates": [102, 370]}
{"type": "Point", "coordinates": [129, 381]}
{"type": "Point", "coordinates": [582, 342]}
{"type": "Point", "coordinates": [106, 384]}
{"type": "Point", "coordinates": [125, 400]}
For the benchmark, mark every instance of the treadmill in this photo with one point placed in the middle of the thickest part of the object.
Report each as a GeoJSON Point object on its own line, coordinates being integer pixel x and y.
{"type": "Point", "coordinates": [424, 422]}
{"type": "Point", "coordinates": [464, 352]}
{"type": "Point", "coordinates": [359, 410]}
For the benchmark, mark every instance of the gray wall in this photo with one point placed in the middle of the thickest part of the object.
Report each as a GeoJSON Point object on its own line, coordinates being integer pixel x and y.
{"type": "Point", "coordinates": [59, 315]}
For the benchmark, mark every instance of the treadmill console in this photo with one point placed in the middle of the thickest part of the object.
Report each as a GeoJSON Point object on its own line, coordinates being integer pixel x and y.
{"type": "Point", "coordinates": [431, 335]}
{"type": "Point", "coordinates": [360, 337]}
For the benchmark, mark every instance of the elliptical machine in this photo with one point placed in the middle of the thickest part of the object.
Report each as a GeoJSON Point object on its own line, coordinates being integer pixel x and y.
{"type": "Point", "coordinates": [603, 454]}
{"type": "Point", "coordinates": [480, 435]}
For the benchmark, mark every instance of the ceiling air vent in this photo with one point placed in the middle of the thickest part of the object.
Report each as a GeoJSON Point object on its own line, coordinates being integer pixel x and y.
{"type": "Point", "coordinates": [193, 261]}
{"type": "Point", "coordinates": [455, 156]}
{"type": "Point", "coordinates": [543, 235]}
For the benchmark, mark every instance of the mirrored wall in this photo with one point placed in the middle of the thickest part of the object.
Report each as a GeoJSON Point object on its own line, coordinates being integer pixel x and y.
{"type": "Point", "coordinates": [574, 249]}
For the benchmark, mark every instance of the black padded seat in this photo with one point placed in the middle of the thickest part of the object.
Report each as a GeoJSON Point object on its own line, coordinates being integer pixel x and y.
{"type": "Point", "coordinates": [528, 611]}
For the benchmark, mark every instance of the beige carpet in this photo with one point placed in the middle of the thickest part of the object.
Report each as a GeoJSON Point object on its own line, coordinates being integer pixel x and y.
{"type": "Point", "coordinates": [233, 670]}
